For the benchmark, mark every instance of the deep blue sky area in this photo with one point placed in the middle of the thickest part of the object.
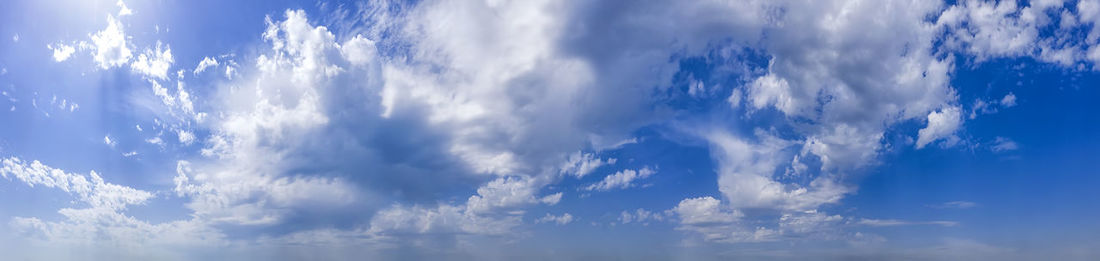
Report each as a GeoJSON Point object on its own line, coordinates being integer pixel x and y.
{"type": "Point", "coordinates": [549, 130]}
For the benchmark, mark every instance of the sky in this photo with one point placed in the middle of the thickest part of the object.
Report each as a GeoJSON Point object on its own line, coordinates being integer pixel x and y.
{"type": "Point", "coordinates": [549, 130]}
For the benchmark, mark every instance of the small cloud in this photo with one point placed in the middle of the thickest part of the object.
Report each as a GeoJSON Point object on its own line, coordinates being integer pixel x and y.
{"type": "Point", "coordinates": [1009, 100]}
{"type": "Point", "coordinates": [1002, 144]}
{"type": "Point", "coordinates": [955, 205]}
{"type": "Point", "coordinates": [130, 154]}
{"type": "Point", "coordinates": [622, 179]}
{"type": "Point", "coordinates": [560, 220]}
{"type": "Point", "coordinates": [206, 62]}
{"type": "Point", "coordinates": [123, 10]}
{"type": "Point", "coordinates": [186, 137]}
{"type": "Point", "coordinates": [61, 52]}
{"type": "Point", "coordinates": [15, 38]}
{"type": "Point", "coordinates": [551, 199]}
{"type": "Point", "coordinates": [107, 140]}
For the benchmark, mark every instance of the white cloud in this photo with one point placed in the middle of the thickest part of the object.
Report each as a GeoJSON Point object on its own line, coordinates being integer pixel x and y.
{"type": "Point", "coordinates": [941, 125]}
{"type": "Point", "coordinates": [708, 218]}
{"type": "Point", "coordinates": [102, 222]}
{"type": "Point", "coordinates": [61, 52]}
{"type": "Point", "coordinates": [551, 199]}
{"type": "Point", "coordinates": [745, 175]}
{"type": "Point", "coordinates": [581, 164]}
{"type": "Point", "coordinates": [622, 179]}
{"type": "Point", "coordinates": [559, 220]}
{"type": "Point", "coordinates": [704, 210]}
{"type": "Point", "coordinates": [154, 62]}
{"type": "Point", "coordinates": [185, 137]}
{"type": "Point", "coordinates": [91, 188]}
{"type": "Point", "coordinates": [1002, 144]}
{"type": "Point", "coordinates": [206, 62]}
{"type": "Point", "coordinates": [123, 10]}
{"type": "Point", "coordinates": [111, 46]}
{"type": "Point", "coordinates": [1009, 100]}
{"type": "Point", "coordinates": [15, 38]}
{"type": "Point", "coordinates": [107, 140]}
{"type": "Point", "coordinates": [640, 216]}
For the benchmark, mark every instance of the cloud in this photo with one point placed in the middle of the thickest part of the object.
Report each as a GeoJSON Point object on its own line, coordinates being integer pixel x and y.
{"type": "Point", "coordinates": [622, 179]}
{"type": "Point", "coordinates": [112, 49]}
{"type": "Point", "coordinates": [559, 220]}
{"type": "Point", "coordinates": [1002, 144]}
{"type": "Point", "coordinates": [107, 140]}
{"type": "Point", "coordinates": [206, 62]}
{"type": "Point", "coordinates": [61, 52]}
{"type": "Point", "coordinates": [123, 10]}
{"type": "Point", "coordinates": [708, 218]}
{"type": "Point", "coordinates": [90, 189]}
{"type": "Point", "coordinates": [1009, 100]}
{"type": "Point", "coordinates": [186, 137]}
{"type": "Point", "coordinates": [941, 125]}
{"type": "Point", "coordinates": [154, 62]}
{"type": "Point", "coordinates": [641, 216]}
{"type": "Point", "coordinates": [581, 164]}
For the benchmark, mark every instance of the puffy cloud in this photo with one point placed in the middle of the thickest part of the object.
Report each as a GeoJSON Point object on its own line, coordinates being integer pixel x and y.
{"type": "Point", "coordinates": [1009, 100]}
{"type": "Point", "coordinates": [123, 10]}
{"type": "Point", "coordinates": [622, 179]}
{"type": "Point", "coordinates": [185, 137]}
{"type": "Point", "coordinates": [102, 221]}
{"type": "Point", "coordinates": [112, 49]}
{"type": "Point", "coordinates": [941, 125]}
{"type": "Point", "coordinates": [708, 218]}
{"type": "Point", "coordinates": [559, 220]}
{"type": "Point", "coordinates": [704, 210]}
{"type": "Point", "coordinates": [61, 52]}
{"type": "Point", "coordinates": [154, 62]}
{"type": "Point", "coordinates": [581, 164]}
{"type": "Point", "coordinates": [746, 175]}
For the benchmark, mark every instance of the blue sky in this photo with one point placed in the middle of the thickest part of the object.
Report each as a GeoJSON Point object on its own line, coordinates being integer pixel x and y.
{"type": "Point", "coordinates": [549, 130]}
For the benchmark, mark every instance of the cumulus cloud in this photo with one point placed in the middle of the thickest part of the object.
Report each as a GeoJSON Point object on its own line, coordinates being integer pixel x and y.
{"type": "Point", "coordinates": [154, 62]}
{"type": "Point", "coordinates": [581, 164]}
{"type": "Point", "coordinates": [61, 52]}
{"type": "Point", "coordinates": [941, 125]}
{"type": "Point", "coordinates": [112, 48]}
{"type": "Point", "coordinates": [622, 179]}
{"type": "Point", "coordinates": [101, 221]}
{"type": "Point", "coordinates": [1009, 100]}
{"type": "Point", "coordinates": [123, 10]}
